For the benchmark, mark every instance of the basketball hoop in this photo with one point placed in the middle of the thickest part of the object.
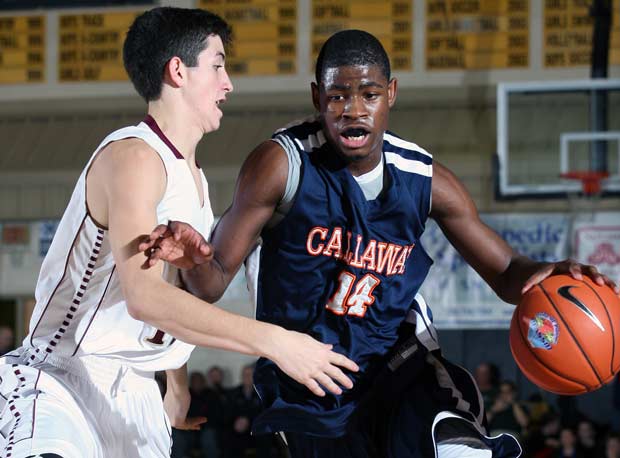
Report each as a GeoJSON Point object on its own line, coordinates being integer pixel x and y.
{"type": "Point", "coordinates": [590, 181]}
{"type": "Point", "coordinates": [583, 205]}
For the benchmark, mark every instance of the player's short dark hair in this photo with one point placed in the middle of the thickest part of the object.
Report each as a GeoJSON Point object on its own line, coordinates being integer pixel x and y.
{"type": "Point", "coordinates": [351, 47]}
{"type": "Point", "coordinates": [158, 35]}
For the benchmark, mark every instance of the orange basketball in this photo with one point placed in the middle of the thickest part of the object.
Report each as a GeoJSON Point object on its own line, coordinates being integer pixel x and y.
{"type": "Point", "coordinates": [565, 335]}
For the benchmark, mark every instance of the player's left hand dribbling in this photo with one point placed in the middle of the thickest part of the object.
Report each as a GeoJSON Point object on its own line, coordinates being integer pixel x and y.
{"type": "Point", "coordinates": [572, 268]}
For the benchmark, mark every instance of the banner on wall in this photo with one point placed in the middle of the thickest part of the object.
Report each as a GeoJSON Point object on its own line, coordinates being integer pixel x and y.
{"type": "Point", "coordinates": [597, 241]}
{"type": "Point", "coordinates": [47, 229]}
{"type": "Point", "coordinates": [458, 296]}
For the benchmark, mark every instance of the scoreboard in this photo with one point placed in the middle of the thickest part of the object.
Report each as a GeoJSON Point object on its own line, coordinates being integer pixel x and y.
{"type": "Point", "coordinates": [568, 34]}
{"type": "Point", "coordinates": [22, 49]}
{"type": "Point", "coordinates": [90, 46]}
{"type": "Point", "coordinates": [391, 21]}
{"type": "Point", "coordinates": [265, 35]}
{"type": "Point", "coordinates": [477, 34]}
{"type": "Point", "coordinates": [276, 41]}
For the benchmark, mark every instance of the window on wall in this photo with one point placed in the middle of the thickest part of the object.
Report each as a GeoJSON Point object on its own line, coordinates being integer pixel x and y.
{"type": "Point", "coordinates": [51, 4]}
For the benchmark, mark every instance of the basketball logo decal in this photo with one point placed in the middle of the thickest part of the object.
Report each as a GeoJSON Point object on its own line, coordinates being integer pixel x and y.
{"type": "Point", "coordinates": [543, 332]}
{"type": "Point", "coordinates": [564, 291]}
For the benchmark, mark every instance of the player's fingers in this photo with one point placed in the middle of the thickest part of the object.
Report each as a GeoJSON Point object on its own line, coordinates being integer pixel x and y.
{"type": "Point", "coordinates": [340, 360]}
{"type": "Point", "coordinates": [537, 278]}
{"type": "Point", "coordinates": [337, 375]}
{"type": "Point", "coordinates": [194, 423]}
{"type": "Point", "coordinates": [178, 229]}
{"type": "Point", "coordinates": [146, 264]}
{"type": "Point", "coordinates": [206, 249]}
{"type": "Point", "coordinates": [159, 232]}
{"type": "Point", "coordinates": [313, 386]}
{"type": "Point", "coordinates": [187, 427]}
{"type": "Point", "coordinates": [575, 270]}
{"type": "Point", "coordinates": [612, 284]}
{"type": "Point", "coordinates": [327, 383]}
{"type": "Point", "coordinates": [145, 243]}
{"type": "Point", "coordinates": [594, 274]}
{"type": "Point", "coordinates": [155, 255]}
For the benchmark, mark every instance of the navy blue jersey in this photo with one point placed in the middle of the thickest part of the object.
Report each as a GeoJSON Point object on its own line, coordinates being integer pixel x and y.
{"type": "Point", "coordinates": [342, 269]}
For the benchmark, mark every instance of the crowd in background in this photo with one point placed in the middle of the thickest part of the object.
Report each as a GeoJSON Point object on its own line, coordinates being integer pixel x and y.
{"type": "Point", "coordinates": [229, 413]}
{"type": "Point", "coordinates": [545, 430]}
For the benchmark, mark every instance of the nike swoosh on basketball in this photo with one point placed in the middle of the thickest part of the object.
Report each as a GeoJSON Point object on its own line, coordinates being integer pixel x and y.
{"type": "Point", "coordinates": [564, 291]}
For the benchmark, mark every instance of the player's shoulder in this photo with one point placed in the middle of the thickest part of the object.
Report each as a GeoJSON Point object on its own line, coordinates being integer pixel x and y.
{"type": "Point", "coordinates": [300, 136]}
{"type": "Point", "coordinates": [129, 158]}
{"type": "Point", "coordinates": [407, 156]}
{"type": "Point", "coordinates": [396, 144]}
{"type": "Point", "coordinates": [130, 150]}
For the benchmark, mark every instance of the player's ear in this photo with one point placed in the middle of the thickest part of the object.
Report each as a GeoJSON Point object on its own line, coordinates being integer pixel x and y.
{"type": "Point", "coordinates": [315, 96]}
{"type": "Point", "coordinates": [175, 72]}
{"type": "Point", "coordinates": [392, 90]}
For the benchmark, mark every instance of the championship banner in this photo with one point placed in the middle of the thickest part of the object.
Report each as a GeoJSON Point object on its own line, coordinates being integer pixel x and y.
{"type": "Point", "coordinates": [458, 296]}
{"type": "Point", "coordinates": [597, 242]}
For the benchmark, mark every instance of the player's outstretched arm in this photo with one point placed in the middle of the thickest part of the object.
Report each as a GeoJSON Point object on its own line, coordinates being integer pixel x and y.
{"type": "Point", "coordinates": [125, 184]}
{"type": "Point", "coordinates": [508, 273]}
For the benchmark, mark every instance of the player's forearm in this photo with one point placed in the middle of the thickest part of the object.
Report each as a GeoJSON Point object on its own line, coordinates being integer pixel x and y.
{"type": "Point", "coordinates": [176, 379]}
{"type": "Point", "coordinates": [200, 323]}
{"type": "Point", "coordinates": [508, 284]}
{"type": "Point", "coordinates": [207, 281]}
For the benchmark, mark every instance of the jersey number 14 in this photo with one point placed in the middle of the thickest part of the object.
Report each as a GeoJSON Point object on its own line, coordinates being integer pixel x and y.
{"type": "Point", "coordinates": [351, 297]}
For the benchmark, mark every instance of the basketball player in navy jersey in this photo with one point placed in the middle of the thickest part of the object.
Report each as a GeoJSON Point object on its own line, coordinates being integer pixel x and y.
{"type": "Point", "coordinates": [82, 385]}
{"type": "Point", "coordinates": [339, 204]}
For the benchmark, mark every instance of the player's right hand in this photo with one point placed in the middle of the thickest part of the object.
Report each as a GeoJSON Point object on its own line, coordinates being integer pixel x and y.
{"type": "Point", "coordinates": [312, 363]}
{"type": "Point", "coordinates": [176, 406]}
{"type": "Point", "coordinates": [177, 243]}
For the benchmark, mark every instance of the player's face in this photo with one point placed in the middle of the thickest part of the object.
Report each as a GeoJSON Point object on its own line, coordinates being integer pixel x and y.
{"type": "Point", "coordinates": [354, 104]}
{"type": "Point", "coordinates": [208, 84]}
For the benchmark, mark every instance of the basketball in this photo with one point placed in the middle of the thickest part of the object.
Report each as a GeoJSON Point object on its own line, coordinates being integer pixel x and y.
{"type": "Point", "coordinates": [563, 335]}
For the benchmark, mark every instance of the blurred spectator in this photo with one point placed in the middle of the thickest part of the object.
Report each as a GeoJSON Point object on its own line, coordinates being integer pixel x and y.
{"type": "Point", "coordinates": [543, 441]}
{"type": "Point", "coordinates": [507, 414]}
{"type": "Point", "coordinates": [213, 432]}
{"type": "Point", "coordinates": [487, 379]}
{"type": "Point", "coordinates": [587, 440]}
{"type": "Point", "coordinates": [244, 407]}
{"type": "Point", "coordinates": [215, 378]}
{"type": "Point", "coordinates": [183, 442]}
{"type": "Point", "coordinates": [538, 409]}
{"type": "Point", "coordinates": [568, 445]}
{"type": "Point", "coordinates": [569, 414]}
{"type": "Point", "coordinates": [615, 418]}
{"type": "Point", "coordinates": [7, 339]}
{"type": "Point", "coordinates": [612, 446]}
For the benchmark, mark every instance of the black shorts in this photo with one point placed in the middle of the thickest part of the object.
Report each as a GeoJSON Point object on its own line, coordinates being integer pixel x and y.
{"type": "Point", "coordinates": [419, 400]}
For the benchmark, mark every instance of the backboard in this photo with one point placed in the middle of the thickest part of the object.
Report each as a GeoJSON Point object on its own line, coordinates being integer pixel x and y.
{"type": "Point", "coordinates": [546, 129]}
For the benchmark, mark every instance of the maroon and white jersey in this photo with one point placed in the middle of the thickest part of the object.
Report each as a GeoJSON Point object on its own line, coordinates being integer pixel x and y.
{"type": "Point", "coordinates": [80, 309]}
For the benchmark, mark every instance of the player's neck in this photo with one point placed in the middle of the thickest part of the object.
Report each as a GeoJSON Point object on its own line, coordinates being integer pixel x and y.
{"type": "Point", "coordinates": [362, 166]}
{"type": "Point", "coordinates": [173, 122]}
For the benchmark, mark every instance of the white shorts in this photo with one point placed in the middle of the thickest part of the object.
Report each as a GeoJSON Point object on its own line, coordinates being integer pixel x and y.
{"type": "Point", "coordinates": [80, 408]}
